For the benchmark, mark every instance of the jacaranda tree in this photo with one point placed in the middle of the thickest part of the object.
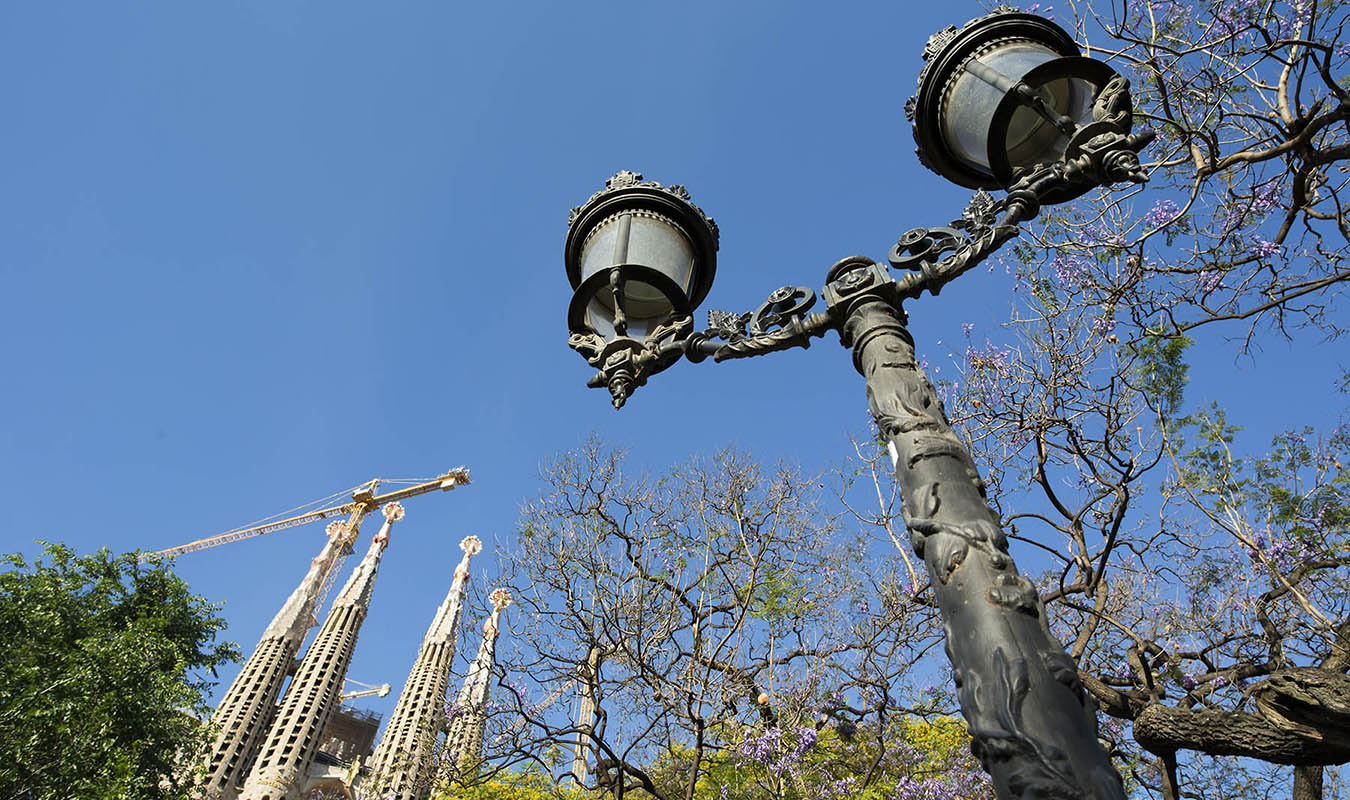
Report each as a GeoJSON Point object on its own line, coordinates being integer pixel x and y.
{"type": "Point", "coordinates": [710, 631]}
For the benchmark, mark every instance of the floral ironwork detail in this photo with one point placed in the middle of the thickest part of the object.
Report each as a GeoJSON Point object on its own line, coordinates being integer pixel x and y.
{"type": "Point", "coordinates": [780, 322]}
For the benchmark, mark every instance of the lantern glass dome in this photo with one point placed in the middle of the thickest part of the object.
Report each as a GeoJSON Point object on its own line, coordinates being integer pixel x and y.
{"type": "Point", "coordinates": [972, 99]}
{"type": "Point", "coordinates": [600, 316]}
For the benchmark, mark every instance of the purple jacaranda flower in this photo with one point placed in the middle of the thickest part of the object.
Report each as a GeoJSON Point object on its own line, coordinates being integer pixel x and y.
{"type": "Point", "coordinates": [1263, 249]}
{"type": "Point", "coordinates": [1208, 280]}
{"type": "Point", "coordinates": [1163, 213]}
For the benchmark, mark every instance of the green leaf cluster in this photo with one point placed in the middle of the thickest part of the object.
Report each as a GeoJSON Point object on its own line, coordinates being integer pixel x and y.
{"type": "Point", "coordinates": [1161, 371]}
{"type": "Point", "coordinates": [528, 783]}
{"type": "Point", "coordinates": [101, 676]}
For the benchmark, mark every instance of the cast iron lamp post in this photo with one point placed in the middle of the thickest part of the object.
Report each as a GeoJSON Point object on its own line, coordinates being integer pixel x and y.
{"type": "Point", "coordinates": [1005, 102]}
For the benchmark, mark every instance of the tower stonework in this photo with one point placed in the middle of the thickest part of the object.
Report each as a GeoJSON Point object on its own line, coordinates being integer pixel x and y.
{"type": "Point", "coordinates": [293, 738]}
{"type": "Point", "coordinates": [468, 721]}
{"type": "Point", "coordinates": [586, 677]}
{"type": "Point", "coordinates": [403, 765]}
{"type": "Point", "coordinates": [244, 712]}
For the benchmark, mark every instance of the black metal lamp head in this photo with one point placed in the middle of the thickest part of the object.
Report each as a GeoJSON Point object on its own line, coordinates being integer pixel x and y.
{"type": "Point", "coordinates": [637, 254]}
{"type": "Point", "coordinates": [1002, 95]}
{"type": "Point", "coordinates": [640, 257]}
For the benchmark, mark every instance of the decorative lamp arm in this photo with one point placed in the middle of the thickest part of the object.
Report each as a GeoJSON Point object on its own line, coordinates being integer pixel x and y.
{"type": "Point", "coordinates": [780, 322]}
{"type": "Point", "coordinates": [934, 257]}
{"type": "Point", "coordinates": [1099, 154]}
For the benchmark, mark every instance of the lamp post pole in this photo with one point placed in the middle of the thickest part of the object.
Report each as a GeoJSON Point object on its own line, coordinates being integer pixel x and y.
{"type": "Point", "coordinates": [641, 256]}
{"type": "Point", "coordinates": [1031, 724]}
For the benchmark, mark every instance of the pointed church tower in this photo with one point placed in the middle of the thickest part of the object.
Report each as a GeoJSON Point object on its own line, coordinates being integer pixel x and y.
{"type": "Point", "coordinates": [242, 716]}
{"type": "Point", "coordinates": [293, 737]}
{"type": "Point", "coordinates": [403, 765]}
{"type": "Point", "coordinates": [464, 737]}
{"type": "Point", "coordinates": [586, 675]}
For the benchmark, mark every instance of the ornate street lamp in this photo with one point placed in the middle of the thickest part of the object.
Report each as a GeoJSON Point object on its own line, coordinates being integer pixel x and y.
{"type": "Point", "coordinates": [640, 257]}
{"type": "Point", "coordinates": [1005, 102]}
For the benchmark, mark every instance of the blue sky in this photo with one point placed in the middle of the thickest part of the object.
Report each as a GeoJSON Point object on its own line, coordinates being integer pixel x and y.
{"type": "Point", "coordinates": [255, 253]}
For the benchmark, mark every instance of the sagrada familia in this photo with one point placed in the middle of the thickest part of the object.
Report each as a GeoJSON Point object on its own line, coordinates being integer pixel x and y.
{"type": "Point", "coordinates": [265, 750]}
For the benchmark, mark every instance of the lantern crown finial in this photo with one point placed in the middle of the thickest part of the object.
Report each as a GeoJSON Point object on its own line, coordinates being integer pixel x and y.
{"type": "Point", "coordinates": [624, 178]}
{"type": "Point", "coordinates": [628, 179]}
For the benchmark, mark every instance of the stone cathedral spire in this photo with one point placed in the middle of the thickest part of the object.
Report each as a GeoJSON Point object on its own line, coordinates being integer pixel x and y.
{"type": "Point", "coordinates": [587, 675]}
{"type": "Point", "coordinates": [464, 737]}
{"type": "Point", "coordinates": [403, 766]}
{"type": "Point", "coordinates": [293, 737]}
{"type": "Point", "coordinates": [246, 709]}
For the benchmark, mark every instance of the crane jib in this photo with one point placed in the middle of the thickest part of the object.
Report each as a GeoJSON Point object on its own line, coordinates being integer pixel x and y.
{"type": "Point", "coordinates": [364, 498]}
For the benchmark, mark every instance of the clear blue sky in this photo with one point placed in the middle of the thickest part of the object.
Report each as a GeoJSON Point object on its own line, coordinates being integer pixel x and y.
{"type": "Point", "coordinates": [253, 253]}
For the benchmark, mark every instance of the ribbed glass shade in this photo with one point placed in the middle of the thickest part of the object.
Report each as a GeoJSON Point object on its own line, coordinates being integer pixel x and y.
{"type": "Point", "coordinates": [646, 239]}
{"type": "Point", "coordinates": [971, 99]}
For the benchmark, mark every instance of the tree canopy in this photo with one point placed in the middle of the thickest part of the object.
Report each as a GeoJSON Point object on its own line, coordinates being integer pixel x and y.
{"type": "Point", "coordinates": [102, 676]}
{"type": "Point", "coordinates": [708, 632]}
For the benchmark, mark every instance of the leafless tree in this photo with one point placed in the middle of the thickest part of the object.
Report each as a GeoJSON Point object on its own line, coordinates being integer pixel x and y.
{"type": "Point", "coordinates": [675, 616]}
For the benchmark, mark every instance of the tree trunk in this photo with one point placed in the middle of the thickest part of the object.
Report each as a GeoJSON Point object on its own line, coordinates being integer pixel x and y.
{"type": "Point", "coordinates": [1307, 783]}
{"type": "Point", "coordinates": [1161, 729]}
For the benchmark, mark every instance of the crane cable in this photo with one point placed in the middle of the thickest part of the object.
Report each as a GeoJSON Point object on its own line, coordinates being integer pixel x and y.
{"type": "Point", "coordinates": [294, 512]}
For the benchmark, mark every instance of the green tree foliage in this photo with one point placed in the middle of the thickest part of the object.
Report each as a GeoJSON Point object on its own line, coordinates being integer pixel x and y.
{"type": "Point", "coordinates": [528, 783]}
{"type": "Point", "coordinates": [101, 676]}
{"type": "Point", "coordinates": [915, 759]}
{"type": "Point", "coordinates": [906, 757]}
{"type": "Point", "coordinates": [1160, 370]}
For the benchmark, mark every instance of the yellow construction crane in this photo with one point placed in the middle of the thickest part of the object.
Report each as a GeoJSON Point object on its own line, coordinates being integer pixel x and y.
{"type": "Point", "coordinates": [364, 501]}
{"type": "Point", "coordinates": [382, 690]}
